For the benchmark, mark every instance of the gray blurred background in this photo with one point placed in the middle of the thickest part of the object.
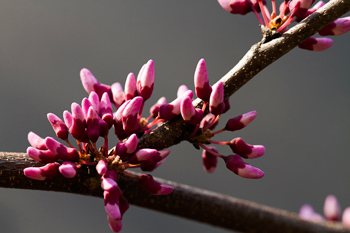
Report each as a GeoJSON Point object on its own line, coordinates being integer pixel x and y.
{"type": "Point", "coordinates": [302, 102]}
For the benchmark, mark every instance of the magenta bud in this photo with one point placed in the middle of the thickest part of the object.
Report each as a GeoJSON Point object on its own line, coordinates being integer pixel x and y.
{"type": "Point", "coordinates": [227, 105]}
{"type": "Point", "coordinates": [68, 119]}
{"type": "Point", "coordinates": [94, 100]}
{"type": "Point", "coordinates": [145, 80]}
{"type": "Point", "coordinates": [240, 122]}
{"type": "Point", "coordinates": [307, 212]}
{"type": "Point", "coordinates": [77, 128]}
{"type": "Point", "coordinates": [130, 87]}
{"type": "Point", "coordinates": [125, 149]}
{"type": "Point", "coordinates": [209, 160]}
{"type": "Point", "coordinates": [171, 110]}
{"type": "Point", "coordinates": [311, 10]}
{"type": "Point", "coordinates": [245, 150]}
{"type": "Point", "coordinates": [346, 217]}
{"type": "Point", "coordinates": [130, 118]}
{"type": "Point", "coordinates": [118, 124]}
{"type": "Point", "coordinates": [332, 209]}
{"type": "Point", "coordinates": [93, 125]}
{"type": "Point", "coordinates": [58, 126]}
{"type": "Point", "coordinates": [85, 105]}
{"type": "Point", "coordinates": [88, 80]}
{"type": "Point", "coordinates": [61, 151]}
{"type": "Point", "coordinates": [46, 172]}
{"type": "Point", "coordinates": [68, 169]}
{"type": "Point", "coordinates": [189, 113]}
{"type": "Point", "coordinates": [163, 154]}
{"type": "Point", "coordinates": [181, 90]}
{"type": "Point", "coordinates": [148, 184]}
{"type": "Point", "coordinates": [239, 167]}
{"type": "Point", "coordinates": [145, 157]}
{"type": "Point", "coordinates": [118, 94]}
{"type": "Point", "coordinates": [201, 82]}
{"type": "Point", "coordinates": [216, 102]}
{"type": "Point", "coordinates": [300, 7]}
{"type": "Point", "coordinates": [111, 199]}
{"type": "Point", "coordinates": [102, 167]}
{"type": "Point", "coordinates": [41, 156]}
{"type": "Point", "coordinates": [336, 28]}
{"type": "Point", "coordinates": [36, 141]}
{"type": "Point", "coordinates": [207, 119]}
{"type": "Point", "coordinates": [316, 44]}
{"type": "Point", "coordinates": [239, 6]}
{"type": "Point", "coordinates": [111, 174]}
{"type": "Point", "coordinates": [108, 184]}
{"type": "Point", "coordinates": [154, 110]}
{"type": "Point", "coordinates": [115, 225]}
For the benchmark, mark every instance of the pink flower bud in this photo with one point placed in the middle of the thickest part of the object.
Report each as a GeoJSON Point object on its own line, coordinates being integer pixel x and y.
{"type": "Point", "coordinates": [68, 119]}
{"type": "Point", "coordinates": [106, 111]}
{"type": "Point", "coordinates": [201, 83]}
{"type": "Point", "coordinates": [94, 101]}
{"type": "Point", "coordinates": [118, 124]}
{"type": "Point", "coordinates": [130, 119]}
{"type": "Point", "coordinates": [61, 151]}
{"type": "Point", "coordinates": [36, 141]}
{"type": "Point", "coordinates": [239, 6]}
{"type": "Point", "coordinates": [209, 160]}
{"type": "Point", "coordinates": [118, 94]}
{"type": "Point", "coordinates": [240, 122]}
{"type": "Point", "coordinates": [108, 184]}
{"type": "Point", "coordinates": [171, 110]}
{"type": "Point", "coordinates": [68, 169]}
{"type": "Point", "coordinates": [245, 150]}
{"type": "Point", "coordinates": [92, 125]}
{"type": "Point", "coordinates": [189, 113]}
{"type": "Point", "coordinates": [77, 128]}
{"type": "Point", "coordinates": [148, 184]}
{"type": "Point", "coordinates": [85, 105]}
{"type": "Point", "coordinates": [316, 44]}
{"type": "Point", "coordinates": [46, 172]}
{"type": "Point", "coordinates": [41, 156]}
{"type": "Point", "coordinates": [332, 209]}
{"type": "Point", "coordinates": [111, 199]}
{"type": "Point", "coordinates": [115, 225]}
{"type": "Point", "coordinates": [300, 7]}
{"type": "Point", "coordinates": [88, 80]}
{"type": "Point", "coordinates": [346, 217]}
{"type": "Point", "coordinates": [102, 167]}
{"type": "Point", "coordinates": [58, 126]}
{"type": "Point", "coordinates": [337, 27]}
{"type": "Point", "coordinates": [216, 102]}
{"type": "Point", "coordinates": [239, 167]}
{"type": "Point", "coordinates": [307, 212]}
{"type": "Point", "coordinates": [154, 110]}
{"type": "Point", "coordinates": [145, 80]}
{"type": "Point", "coordinates": [130, 87]}
{"type": "Point", "coordinates": [181, 90]}
{"type": "Point", "coordinates": [207, 119]}
{"type": "Point", "coordinates": [163, 154]}
{"type": "Point", "coordinates": [145, 157]}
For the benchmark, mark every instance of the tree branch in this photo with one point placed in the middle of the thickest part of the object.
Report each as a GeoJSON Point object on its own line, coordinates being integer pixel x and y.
{"type": "Point", "coordinates": [185, 201]}
{"type": "Point", "coordinates": [255, 60]}
{"type": "Point", "coordinates": [189, 202]}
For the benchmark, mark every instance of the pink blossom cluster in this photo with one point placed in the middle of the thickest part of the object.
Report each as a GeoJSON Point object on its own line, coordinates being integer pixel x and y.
{"type": "Point", "coordinates": [289, 12]}
{"type": "Point", "coordinates": [92, 119]}
{"type": "Point", "coordinates": [331, 210]}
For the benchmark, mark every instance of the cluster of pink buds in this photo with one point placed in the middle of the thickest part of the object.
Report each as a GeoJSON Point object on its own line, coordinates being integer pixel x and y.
{"type": "Point", "coordinates": [213, 96]}
{"type": "Point", "coordinates": [289, 12]}
{"type": "Point", "coordinates": [94, 117]}
{"type": "Point", "coordinates": [332, 212]}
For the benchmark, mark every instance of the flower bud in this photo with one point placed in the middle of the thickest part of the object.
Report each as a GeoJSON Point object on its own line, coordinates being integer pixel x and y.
{"type": "Point", "coordinates": [46, 172]}
{"type": "Point", "coordinates": [130, 118]}
{"type": "Point", "coordinates": [154, 110]}
{"type": "Point", "coordinates": [130, 87]}
{"type": "Point", "coordinates": [201, 83]}
{"type": "Point", "coordinates": [181, 90]}
{"type": "Point", "coordinates": [209, 160]}
{"type": "Point", "coordinates": [216, 102]}
{"type": "Point", "coordinates": [245, 150]}
{"type": "Point", "coordinates": [41, 156]}
{"type": "Point", "coordinates": [239, 167]}
{"type": "Point", "coordinates": [102, 167]}
{"type": "Point", "coordinates": [148, 184]}
{"type": "Point", "coordinates": [36, 141]}
{"type": "Point", "coordinates": [58, 126]}
{"type": "Point", "coordinates": [145, 80]}
{"type": "Point", "coordinates": [240, 122]}
{"type": "Point", "coordinates": [105, 110]}
{"type": "Point", "coordinates": [88, 80]}
{"type": "Point", "coordinates": [117, 94]}
{"type": "Point", "coordinates": [332, 209]}
{"type": "Point", "coordinates": [316, 44]}
{"type": "Point", "coordinates": [189, 113]}
{"type": "Point", "coordinates": [61, 151]}
{"type": "Point", "coordinates": [68, 169]}
{"type": "Point", "coordinates": [336, 28]}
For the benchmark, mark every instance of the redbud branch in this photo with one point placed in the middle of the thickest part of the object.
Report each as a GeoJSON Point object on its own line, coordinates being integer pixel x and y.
{"type": "Point", "coordinates": [185, 201]}
{"type": "Point", "coordinates": [255, 60]}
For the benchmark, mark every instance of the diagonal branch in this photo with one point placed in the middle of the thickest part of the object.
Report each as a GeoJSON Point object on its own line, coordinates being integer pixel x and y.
{"type": "Point", "coordinates": [255, 60]}
{"type": "Point", "coordinates": [189, 202]}
{"type": "Point", "coordinates": [185, 201]}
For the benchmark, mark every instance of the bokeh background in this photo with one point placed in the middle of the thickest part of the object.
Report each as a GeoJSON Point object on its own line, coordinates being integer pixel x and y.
{"type": "Point", "coordinates": [302, 102]}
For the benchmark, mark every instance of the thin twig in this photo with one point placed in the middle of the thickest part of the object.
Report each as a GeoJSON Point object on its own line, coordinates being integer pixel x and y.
{"type": "Point", "coordinates": [185, 201]}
